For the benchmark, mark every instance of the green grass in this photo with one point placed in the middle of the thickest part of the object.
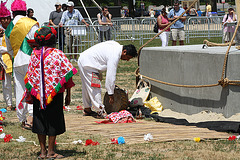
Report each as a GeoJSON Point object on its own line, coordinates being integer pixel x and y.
{"type": "Point", "coordinates": [164, 150]}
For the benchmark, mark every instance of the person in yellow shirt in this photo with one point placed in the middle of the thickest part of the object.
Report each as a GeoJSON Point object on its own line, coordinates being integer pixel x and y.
{"type": "Point", "coordinates": [20, 29]}
{"type": "Point", "coordinates": [208, 11]}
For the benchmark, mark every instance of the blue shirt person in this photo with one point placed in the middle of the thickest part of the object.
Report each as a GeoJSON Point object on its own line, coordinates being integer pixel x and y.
{"type": "Point", "coordinates": [71, 17]}
{"type": "Point", "coordinates": [199, 12]}
{"type": "Point", "coordinates": [175, 13]}
{"type": "Point", "coordinates": [177, 29]}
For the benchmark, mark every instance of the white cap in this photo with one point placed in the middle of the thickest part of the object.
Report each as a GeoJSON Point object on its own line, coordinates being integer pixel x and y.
{"type": "Point", "coordinates": [70, 4]}
{"type": "Point", "coordinates": [57, 4]}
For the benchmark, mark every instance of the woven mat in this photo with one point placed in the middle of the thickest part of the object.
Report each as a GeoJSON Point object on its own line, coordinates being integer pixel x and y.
{"type": "Point", "coordinates": [134, 132]}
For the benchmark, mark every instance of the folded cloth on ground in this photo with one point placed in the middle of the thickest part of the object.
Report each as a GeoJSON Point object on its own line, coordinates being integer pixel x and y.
{"type": "Point", "coordinates": [121, 117]}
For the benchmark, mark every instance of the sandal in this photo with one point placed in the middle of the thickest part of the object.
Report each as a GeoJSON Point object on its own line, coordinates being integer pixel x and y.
{"type": "Point", "coordinates": [27, 126]}
{"type": "Point", "coordinates": [89, 113]}
{"type": "Point", "coordinates": [102, 114]}
{"type": "Point", "coordinates": [42, 156]}
{"type": "Point", "coordinates": [55, 156]}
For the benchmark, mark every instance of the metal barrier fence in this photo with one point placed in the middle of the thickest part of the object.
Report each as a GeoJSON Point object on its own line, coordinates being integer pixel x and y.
{"type": "Point", "coordinates": [203, 27]}
{"type": "Point", "coordinates": [229, 24]}
{"type": "Point", "coordinates": [76, 39]}
{"type": "Point", "coordinates": [147, 25]}
{"type": "Point", "coordinates": [125, 29]}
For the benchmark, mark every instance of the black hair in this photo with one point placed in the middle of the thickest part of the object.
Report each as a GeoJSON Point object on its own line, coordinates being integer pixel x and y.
{"type": "Point", "coordinates": [131, 50]}
{"type": "Point", "coordinates": [64, 7]}
{"type": "Point", "coordinates": [163, 10]}
{"type": "Point", "coordinates": [29, 10]}
{"type": "Point", "coordinates": [41, 34]}
{"type": "Point", "coordinates": [15, 13]}
{"type": "Point", "coordinates": [104, 7]}
{"type": "Point", "coordinates": [8, 17]}
{"type": "Point", "coordinates": [176, 2]}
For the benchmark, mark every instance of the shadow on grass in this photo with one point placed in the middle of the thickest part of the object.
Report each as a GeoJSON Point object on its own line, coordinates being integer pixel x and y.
{"type": "Point", "coordinates": [69, 153]}
{"type": "Point", "coordinates": [7, 123]}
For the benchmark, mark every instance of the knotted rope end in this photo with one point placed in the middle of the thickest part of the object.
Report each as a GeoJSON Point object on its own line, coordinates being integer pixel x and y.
{"type": "Point", "coordinates": [224, 82]}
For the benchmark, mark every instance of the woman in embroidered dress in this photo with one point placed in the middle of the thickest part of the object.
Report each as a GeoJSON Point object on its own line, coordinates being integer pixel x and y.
{"type": "Point", "coordinates": [49, 74]}
{"type": "Point", "coordinates": [163, 22]}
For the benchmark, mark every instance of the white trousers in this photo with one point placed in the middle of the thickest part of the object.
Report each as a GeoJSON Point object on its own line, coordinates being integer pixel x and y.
{"type": "Point", "coordinates": [164, 38]}
{"type": "Point", "coordinates": [19, 74]}
{"type": "Point", "coordinates": [7, 89]}
{"type": "Point", "coordinates": [91, 95]}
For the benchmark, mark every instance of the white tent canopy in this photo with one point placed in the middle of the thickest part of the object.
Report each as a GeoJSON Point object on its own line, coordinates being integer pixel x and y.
{"type": "Point", "coordinates": [42, 8]}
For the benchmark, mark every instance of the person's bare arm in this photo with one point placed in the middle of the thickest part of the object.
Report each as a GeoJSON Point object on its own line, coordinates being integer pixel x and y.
{"type": "Point", "coordinates": [100, 20]}
{"type": "Point", "coordinates": [234, 16]}
{"type": "Point", "coordinates": [104, 23]}
{"type": "Point", "coordinates": [68, 97]}
{"type": "Point", "coordinates": [224, 21]}
{"type": "Point", "coordinates": [85, 23]}
{"type": "Point", "coordinates": [51, 22]}
{"type": "Point", "coordinates": [109, 17]}
{"type": "Point", "coordinates": [183, 18]}
{"type": "Point", "coordinates": [171, 19]}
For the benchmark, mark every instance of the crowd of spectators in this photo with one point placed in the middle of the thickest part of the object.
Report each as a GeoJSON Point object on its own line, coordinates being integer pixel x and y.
{"type": "Point", "coordinates": [65, 15]}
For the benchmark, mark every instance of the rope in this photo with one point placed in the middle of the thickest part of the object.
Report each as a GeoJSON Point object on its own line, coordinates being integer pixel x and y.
{"type": "Point", "coordinates": [212, 44]}
{"type": "Point", "coordinates": [238, 47]}
{"type": "Point", "coordinates": [226, 55]}
{"type": "Point", "coordinates": [173, 84]}
{"type": "Point", "coordinates": [179, 85]}
{"type": "Point", "coordinates": [234, 81]}
{"type": "Point", "coordinates": [223, 81]}
{"type": "Point", "coordinates": [166, 27]}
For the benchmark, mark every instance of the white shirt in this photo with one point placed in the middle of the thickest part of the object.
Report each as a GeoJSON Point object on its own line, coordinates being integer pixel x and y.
{"type": "Point", "coordinates": [103, 56]}
{"type": "Point", "coordinates": [151, 14]}
{"type": "Point", "coordinates": [21, 58]}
